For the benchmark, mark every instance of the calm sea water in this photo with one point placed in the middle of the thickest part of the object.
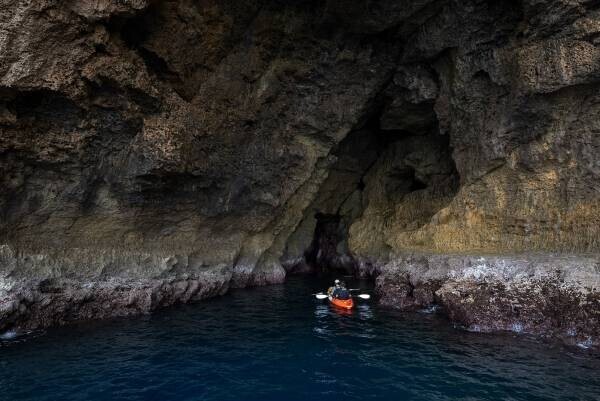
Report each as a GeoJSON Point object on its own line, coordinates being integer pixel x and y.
{"type": "Point", "coordinates": [279, 343]}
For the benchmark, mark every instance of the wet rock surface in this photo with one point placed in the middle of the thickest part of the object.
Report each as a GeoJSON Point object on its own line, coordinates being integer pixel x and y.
{"type": "Point", "coordinates": [543, 295]}
{"type": "Point", "coordinates": [181, 148]}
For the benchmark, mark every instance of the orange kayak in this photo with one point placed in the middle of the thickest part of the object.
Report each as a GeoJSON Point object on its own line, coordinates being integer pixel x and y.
{"type": "Point", "coordinates": [342, 303]}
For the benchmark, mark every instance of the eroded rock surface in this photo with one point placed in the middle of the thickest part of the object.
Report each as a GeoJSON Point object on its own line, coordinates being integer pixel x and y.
{"type": "Point", "coordinates": [40, 290]}
{"type": "Point", "coordinates": [174, 149]}
{"type": "Point", "coordinates": [551, 296]}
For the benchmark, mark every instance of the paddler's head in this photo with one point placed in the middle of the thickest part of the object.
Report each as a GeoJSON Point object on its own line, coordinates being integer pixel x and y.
{"type": "Point", "coordinates": [337, 283]}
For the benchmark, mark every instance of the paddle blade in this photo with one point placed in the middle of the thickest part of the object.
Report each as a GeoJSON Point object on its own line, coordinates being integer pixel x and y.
{"type": "Point", "coordinates": [364, 296]}
{"type": "Point", "coordinates": [321, 296]}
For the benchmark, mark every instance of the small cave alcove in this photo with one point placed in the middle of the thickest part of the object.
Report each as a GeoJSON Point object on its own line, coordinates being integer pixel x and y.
{"type": "Point", "coordinates": [324, 253]}
{"type": "Point", "coordinates": [406, 175]}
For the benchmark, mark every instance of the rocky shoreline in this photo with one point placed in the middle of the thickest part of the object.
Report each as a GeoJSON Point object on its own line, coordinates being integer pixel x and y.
{"type": "Point", "coordinates": [550, 296]}
{"type": "Point", "coordinates": [57, 295]}
{"type": "Point", "coordinates": [543, 295]}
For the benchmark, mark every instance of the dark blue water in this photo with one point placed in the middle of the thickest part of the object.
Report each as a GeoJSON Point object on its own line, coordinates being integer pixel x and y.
{"type": "Point", "coordinates": [278, 343]}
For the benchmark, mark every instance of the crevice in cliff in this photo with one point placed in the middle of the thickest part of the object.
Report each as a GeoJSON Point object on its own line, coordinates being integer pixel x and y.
{"type": "Point", "coordinates": [395, 164]}
{"type": "Point", "coordinates": [110, 95]}
{"type": "Point", "coordinates": [134, 31]}
{"type": "Point", "coordinates": [182, 43]}
{"type": "Point", "coordinates": [373, 166]}
{"type": "Point", "coordinates": [45, 106]}
{"type": "Point", "coordinates": [323, 253]}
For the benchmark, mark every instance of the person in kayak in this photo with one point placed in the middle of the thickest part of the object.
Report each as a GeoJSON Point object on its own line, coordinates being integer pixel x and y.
{"type": "Point", "coordinates": [336, 284]}
{"type": "Point", "coordinates": [338, 290]}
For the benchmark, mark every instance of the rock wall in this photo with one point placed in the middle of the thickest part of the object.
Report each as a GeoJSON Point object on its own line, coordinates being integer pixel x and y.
{"type": "Point", "coordinates": [184, 147]}
{"type": "Point", "coordinates": [540, 294]}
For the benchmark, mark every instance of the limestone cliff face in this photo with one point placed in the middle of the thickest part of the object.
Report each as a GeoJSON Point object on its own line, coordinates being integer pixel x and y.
{"type": "Point", "coordinates": [178, 148]}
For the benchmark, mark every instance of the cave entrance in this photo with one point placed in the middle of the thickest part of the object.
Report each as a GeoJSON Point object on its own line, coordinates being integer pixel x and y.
{"type": "Point", "coordinates": [392, 174]}
{"type": "Point", "coordinates": [327, 251]}
{"type": "Point", "coordinates": [406, 178]}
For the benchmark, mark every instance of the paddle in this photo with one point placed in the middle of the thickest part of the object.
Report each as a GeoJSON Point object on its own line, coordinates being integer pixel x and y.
{"type": "Point", "coordinates": [363, 296]}
{"type": "Point", "coordinates": [324, 296]}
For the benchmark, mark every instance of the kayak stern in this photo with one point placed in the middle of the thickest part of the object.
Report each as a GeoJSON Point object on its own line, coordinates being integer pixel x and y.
{"type": "Point", "coordinates": [342, 303]}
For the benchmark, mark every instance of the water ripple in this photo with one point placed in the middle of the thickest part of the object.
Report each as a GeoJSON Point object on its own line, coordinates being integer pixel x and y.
{"type": "Point", "coordinates": [277, 343]}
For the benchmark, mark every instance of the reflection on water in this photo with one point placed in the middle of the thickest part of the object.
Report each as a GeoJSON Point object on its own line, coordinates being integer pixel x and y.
{"type": "Point", "coordinates": [331, 319]}
{"type": "Point", "coordinates": [280, 343]}
{"type": "Point", "coordinates": [322, 311]}
{"type": "Point", "coordinates": [364, 312]}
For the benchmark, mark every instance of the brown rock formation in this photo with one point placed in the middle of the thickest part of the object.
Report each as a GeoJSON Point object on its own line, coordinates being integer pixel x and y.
{"type": "Point", "coordinates": [177, 148]}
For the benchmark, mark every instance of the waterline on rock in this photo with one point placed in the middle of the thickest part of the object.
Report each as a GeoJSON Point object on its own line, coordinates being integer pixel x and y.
{"type": "Point", "coordinates": [278, 342]}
